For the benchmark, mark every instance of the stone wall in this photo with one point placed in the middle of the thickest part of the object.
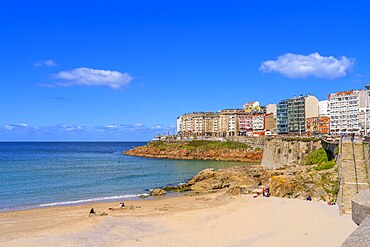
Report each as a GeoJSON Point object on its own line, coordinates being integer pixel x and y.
{"type": "Point", "coordinates": [352, 169]}
{"type": "Point", "coordinates": [257, 142]}
{"type": "Point", "coordinates": [284, 152]}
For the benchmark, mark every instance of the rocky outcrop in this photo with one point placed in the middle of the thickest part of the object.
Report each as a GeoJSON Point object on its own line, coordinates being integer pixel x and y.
{"type": "Point", "coordinates": [288, 182]}
{"type": "Point", "coordinates": [158, 192]}
{"type": "Point", "coordinates": [240, 155]}
{"type": "Point", "coordinates": [287, 152]}
{"type": "Point", "coordinates": [302, 181]}
{"type": "Point", "coordinates": [239, 176]}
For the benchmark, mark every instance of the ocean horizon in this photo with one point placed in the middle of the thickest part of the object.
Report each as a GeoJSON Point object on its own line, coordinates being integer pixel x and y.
{"type": "Point", "coordinates": [42, 173]}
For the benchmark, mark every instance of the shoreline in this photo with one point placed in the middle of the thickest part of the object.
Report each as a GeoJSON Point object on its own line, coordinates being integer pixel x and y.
{"type": "Point", "coordinates": [207, 220]}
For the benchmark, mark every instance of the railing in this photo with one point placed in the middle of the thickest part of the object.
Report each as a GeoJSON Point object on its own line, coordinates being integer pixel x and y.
{"type": "Point", "coordinates": [341, 179]}
{"type": "Point", "coordinates": [354, 163]}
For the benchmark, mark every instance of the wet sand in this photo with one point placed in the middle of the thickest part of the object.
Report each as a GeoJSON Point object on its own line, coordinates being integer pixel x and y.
{"type": "Point", "coordinates": [204, 220]}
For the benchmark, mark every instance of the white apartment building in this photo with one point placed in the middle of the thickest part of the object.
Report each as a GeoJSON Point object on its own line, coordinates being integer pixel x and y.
{"type": "Point", "coordinates": [324, 108]}
{"type": "Point", "coordinates": [345, 115]}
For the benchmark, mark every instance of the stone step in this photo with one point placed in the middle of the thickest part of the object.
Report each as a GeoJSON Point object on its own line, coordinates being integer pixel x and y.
{"type": "Point", "coordinates": [348, 170]}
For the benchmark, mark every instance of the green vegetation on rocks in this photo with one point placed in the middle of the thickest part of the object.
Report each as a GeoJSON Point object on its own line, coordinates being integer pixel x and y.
{"type": "Point", "coordinates": [203, 145]}
{"type": "Point", "coordinates": [325, 165]}
{"type": "Point", "coordinates": [319, 157]}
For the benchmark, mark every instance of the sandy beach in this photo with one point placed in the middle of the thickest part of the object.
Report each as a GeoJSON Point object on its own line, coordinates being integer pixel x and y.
{"type": "Point", "coordinates": [204, 220]}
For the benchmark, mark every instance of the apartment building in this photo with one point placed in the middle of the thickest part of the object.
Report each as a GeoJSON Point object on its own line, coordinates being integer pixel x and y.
{"type": "Point", "coordinates": [282, 117]}
{"type": "Point", "coordinates": [245, 125]}
{"type": "Point", "coordinates": [324, 108]}
{"type": "Point", "coordinates": [291, 113]}
{"type": "Point", "coordinates": [317, 126]}
{"type": "Point", "coordinates": [229, 122]}
{"type": "Point", "coordinates": [347, 112]}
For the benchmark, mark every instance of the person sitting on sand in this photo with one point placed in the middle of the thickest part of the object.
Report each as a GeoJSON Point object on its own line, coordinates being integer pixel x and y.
{"type": "Point", "coordinates": [267, 191]}
{"type": "Point", "coordinates": [92, 211]}
{"type": "Point", "coordinates": [122, 204]}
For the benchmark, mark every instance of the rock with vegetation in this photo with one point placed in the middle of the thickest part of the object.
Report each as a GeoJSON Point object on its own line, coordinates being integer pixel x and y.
{"type": "Point", "coordinates": [199, 150]}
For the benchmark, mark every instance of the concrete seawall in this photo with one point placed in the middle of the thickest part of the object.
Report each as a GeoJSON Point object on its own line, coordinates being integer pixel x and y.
{"type": "Point", "coordinates": [361, 216]}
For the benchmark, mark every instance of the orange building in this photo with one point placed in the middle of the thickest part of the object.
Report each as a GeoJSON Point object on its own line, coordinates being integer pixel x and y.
{"type": "Point", "coordinates": [317, 126]}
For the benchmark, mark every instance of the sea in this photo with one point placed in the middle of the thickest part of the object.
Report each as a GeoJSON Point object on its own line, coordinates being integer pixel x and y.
{"type": "Point", "coordinates": [43, 174]}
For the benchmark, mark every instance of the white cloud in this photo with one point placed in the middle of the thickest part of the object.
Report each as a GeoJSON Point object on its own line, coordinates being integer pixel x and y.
{"type": "Point", "coordinates": [9, 127]}
{"type": "Point", "coordinates": [301, 66]}
{"type": "Point", "coordinates": [46, 63]}
{"type": "Point", "coordinates": [72, 127]}
{"type": "Point", "coordinates": [92, 77]}
{"type": "Point", "coordinates": [157, 127]}
{"type": "Point", "coordinates": [24, 125]}
{"type": "Point", "coordinates": [21, 125]}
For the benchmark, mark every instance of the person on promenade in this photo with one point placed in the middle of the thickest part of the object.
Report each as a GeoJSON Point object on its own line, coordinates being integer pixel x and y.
{"type": "Point", "coordinates": [352, 137]}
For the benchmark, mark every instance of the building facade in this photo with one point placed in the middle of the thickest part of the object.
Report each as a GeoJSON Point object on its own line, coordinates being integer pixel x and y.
{"type": "Point", "coordinates": [292, 113]}
{"type": "Point", "coordinates": [317, 126]}
{"type": "Point", "coordinates": [282, 117]}
{"type": "Point", "coordinates": [346, 116]}
{"type": "Point", "coordinates": [229, 122]}
{"type": "Point", "coordinates": [324, 108]}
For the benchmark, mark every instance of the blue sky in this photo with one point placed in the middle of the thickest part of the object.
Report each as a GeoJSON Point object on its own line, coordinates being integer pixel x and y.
{"type": "Point", "coordinates": [125, 70]}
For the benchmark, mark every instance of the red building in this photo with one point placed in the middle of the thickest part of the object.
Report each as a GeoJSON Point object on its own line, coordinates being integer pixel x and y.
{"type": "Point", "coordinates": [317, 126]}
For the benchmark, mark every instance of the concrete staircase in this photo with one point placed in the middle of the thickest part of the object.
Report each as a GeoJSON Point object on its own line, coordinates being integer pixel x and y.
{"type": "Point", "coordinates": [352, 169]}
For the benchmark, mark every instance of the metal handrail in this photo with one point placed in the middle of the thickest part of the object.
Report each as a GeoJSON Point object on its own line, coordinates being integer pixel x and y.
{"type": "Point", "coordinates": [354, 163]}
